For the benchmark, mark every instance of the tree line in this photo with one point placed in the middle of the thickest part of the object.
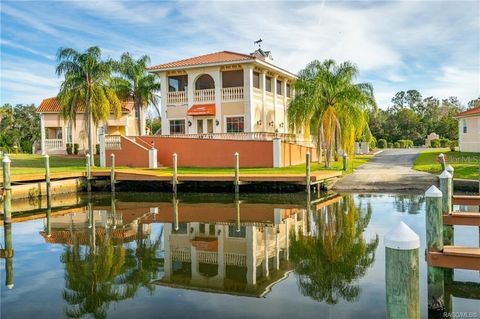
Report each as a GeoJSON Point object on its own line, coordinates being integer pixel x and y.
{"type": "Point", "coordinates": [19, 128]}
{"type": "Point", "coordinates": [411, 117]}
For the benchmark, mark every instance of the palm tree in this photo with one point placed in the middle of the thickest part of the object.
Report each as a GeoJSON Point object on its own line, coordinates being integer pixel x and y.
{"type": "Point", "coordinates": [86, 88]}
{"type": "Point", "coordinates": [329, 263]}
{"type": "Point", "coordinates": [134, 82]}
{"type": "Point", "coordinates": [331, 106]}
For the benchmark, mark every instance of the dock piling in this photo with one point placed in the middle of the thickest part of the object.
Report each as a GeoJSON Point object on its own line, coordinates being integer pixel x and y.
{"type": "Point", "coordinates": [7, 187]}
{"type": "Point", "coordinates": [89, 186]}
{"type": "Point", "coordinates": [47, 174]}
{"type": "Point", "coordinates": [237, 173]}
{"type": "Point", "coordinates": [446, 189]}
{"type": "Point", "coordinates": [175, 213]}
{"type": "Point", "coordinates": [237, 208]}
{"type": "Point", "coordinates": [112, 173]}
{"type": "Point", "coordinates": [174, 173]}
{"type": "Point", "coordinates": [434, 227]}
{"type": "Point", "coordinates": [402, 272]}
{"type": "Point", "coordinates": [307, 172]}
{"type": "Point", "coordinates": [8, 252]}
{"type": "Point", "coordinates": [441, 159]}
{"type": "Point", "coordinates": [345, 161]}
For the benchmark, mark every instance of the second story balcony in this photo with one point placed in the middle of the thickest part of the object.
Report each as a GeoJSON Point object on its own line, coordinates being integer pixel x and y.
{"type": "Point", "coordinates": [204, 91]}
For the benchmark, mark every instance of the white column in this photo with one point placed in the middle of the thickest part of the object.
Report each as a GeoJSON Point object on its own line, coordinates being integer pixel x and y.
{"type": "Point", "coordinates": [284, 91]}
{"type": "Point", "coordinates": [277, 251]}
{"type": "Point", "coordinates": [192, 75]}
{"type": "Point", "coordinates": [275, 125]}
{"type": "Point", "coordinates": [152, 158]}
{"type": "Point", "coordinates": [102, 146]}
{"type": "Point", "coordinates": [217, 77]}
{"type": "Point", "coordinates": [287, 239]}
{"type": "Point", "coordinates": [142, 120]}
{"type": "Point", "coordinates": [221, 253]}
{"type": "Point", "coordinates": [251, 255]}
{"type": "Point", "coordinates": [264, 95]}
{"type": "Point", "coordinates": [248, 98]}
{"type": "Point", "coordinates": [265, 255]}
{"type": "Point", "coordinates": [277, 152]}
{"type": "Point", "coordinates": [167, 230]}
{"type": "Point", "coordinates": [42, 133]}
{"type": "Point", "coordinates": [163, 106]}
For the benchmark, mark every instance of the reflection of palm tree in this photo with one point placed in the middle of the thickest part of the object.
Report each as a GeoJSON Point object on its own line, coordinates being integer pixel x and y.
{"type": "Point", "coordinates": [328, 264]}
{"type": "Point", "coordinates": [142, 263]}
{"type": "Point", "coordinates": [103, 272]}
{"type": "Point", "coordinates": [89, 278]}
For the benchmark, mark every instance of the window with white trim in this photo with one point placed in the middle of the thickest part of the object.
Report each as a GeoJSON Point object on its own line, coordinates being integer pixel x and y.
{"type": "Point", "coordinates": [464, 130]}
{"type": "Point", "coordinates": [235, 124]}
{"type": "Point", "coordinates": [177, 126]}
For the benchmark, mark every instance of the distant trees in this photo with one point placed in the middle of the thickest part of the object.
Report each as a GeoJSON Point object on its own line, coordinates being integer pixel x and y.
{"type": "Point", "coordinates": [412, 117]}
{"type": "Point", "coordinates": [19, 128]}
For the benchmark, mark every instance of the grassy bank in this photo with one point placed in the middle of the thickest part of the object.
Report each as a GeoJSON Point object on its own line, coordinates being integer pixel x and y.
{"type": "Point", "coordinates": [28, 164]}
{"type": "Point", "coordinates": [466, 165]}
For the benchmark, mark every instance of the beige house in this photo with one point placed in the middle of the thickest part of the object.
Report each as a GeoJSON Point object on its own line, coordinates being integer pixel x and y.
{"type": "Point", "coordinates": [224, 92]}
{"type": "Point", "coordinates": [57, 132]}
{"type": "Point", "coordinates": [469, 130]}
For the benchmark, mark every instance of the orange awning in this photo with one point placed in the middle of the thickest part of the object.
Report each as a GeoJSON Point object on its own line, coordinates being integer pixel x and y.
{"type": "Point", "coordinates": [201, 110]}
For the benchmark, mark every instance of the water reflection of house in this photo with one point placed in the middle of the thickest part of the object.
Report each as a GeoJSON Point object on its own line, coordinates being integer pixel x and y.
{"type": "Point", "coordinates": [78, 227]}
{"type": "Point", "coordinates": [245, 253]}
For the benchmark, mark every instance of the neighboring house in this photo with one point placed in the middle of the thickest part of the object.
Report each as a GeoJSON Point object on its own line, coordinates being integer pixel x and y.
{"type": "Point", "coordinates": [224, 92]}
{"type": "Point", "coordinates": [57, 132]}
{"type": "Point", "coordinates": [469, 130]}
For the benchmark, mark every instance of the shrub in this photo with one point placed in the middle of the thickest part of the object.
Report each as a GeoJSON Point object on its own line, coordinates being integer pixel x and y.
{"type": "Point", "coordinates": [444, 142]}
{"type": "Point", "coordinates": [452, 146]}
{"type": "Point", "coordinates": [435, 143]}
{"type": "Point", "coordinates": [373, 144]}
{"type": "Point", "coordinates": [382, 143]}
{"type": "Point", "coordinates": [396, 144]}
{"type": "Point", "coordinates": [75, 148]}
{"type": "Point", "coordinates": [390, 145]}
{"type": "Point", "coordinates": [69, 148]}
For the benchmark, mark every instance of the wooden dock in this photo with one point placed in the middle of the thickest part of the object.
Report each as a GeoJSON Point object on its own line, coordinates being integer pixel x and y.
{"type": "Point", "coordinates": [469, 200]}
{"type": "Point", "coordinates": [455, 257]}
{"type": "Point", "coordinates": [461, 218]}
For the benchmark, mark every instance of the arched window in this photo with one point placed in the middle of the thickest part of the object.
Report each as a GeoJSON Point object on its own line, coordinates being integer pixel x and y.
{"type": "Point", "coordinates": [204, 82]}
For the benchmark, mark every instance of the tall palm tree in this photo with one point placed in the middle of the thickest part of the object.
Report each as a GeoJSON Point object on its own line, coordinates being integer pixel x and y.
{"type": "Point", "coordinates": [86, 88]}
{"type": "Point", "coordinates": [134, 82]}
{"type": "Point", "coordinates": [331, 105]}
{"type": "Point", "coordinates": [329, 263]}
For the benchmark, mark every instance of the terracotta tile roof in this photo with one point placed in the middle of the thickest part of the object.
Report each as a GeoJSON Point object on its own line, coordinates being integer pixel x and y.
{"type": "Point", "coordinates": [217, 57]}
{"type": "Point", "coordinates": [51, 105]}
{"type": "Point", "coordinates": [474, 111]}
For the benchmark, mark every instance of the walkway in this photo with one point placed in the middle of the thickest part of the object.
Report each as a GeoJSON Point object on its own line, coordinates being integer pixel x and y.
{"type": "Point", "coordinates": [389, 171]}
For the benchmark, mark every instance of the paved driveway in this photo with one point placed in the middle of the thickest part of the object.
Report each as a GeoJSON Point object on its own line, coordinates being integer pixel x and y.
{"type": "Point", "coordinates": [388, 171]}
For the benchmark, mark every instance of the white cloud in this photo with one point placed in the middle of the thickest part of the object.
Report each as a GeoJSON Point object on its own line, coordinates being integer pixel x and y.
{"type": "Point", "coordinates": [25, 48]}
{"type": "Point", "coordinates": [458, 82]}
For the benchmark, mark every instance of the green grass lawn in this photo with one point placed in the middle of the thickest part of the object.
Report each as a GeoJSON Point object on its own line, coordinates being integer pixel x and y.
{"type": "Point", "coordinates": [466, 165]}
{"type": "Point", "coordinates": [24, 164]}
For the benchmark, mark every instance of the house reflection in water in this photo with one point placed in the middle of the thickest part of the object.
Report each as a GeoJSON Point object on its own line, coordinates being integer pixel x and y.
{"type": "Point", "coordinates": [226, 255]}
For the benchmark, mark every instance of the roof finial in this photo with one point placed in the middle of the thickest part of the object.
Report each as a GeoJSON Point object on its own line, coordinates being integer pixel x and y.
{"type": "Point", "coordinates": [259, 42]}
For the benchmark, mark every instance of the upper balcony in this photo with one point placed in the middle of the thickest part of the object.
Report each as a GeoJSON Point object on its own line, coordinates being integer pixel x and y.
{"type": "Point", "coordinates": [204, 92]}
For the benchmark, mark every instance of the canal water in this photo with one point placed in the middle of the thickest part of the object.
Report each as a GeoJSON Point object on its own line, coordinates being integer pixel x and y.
{"type": "Point", "coordinates": [213, 256]}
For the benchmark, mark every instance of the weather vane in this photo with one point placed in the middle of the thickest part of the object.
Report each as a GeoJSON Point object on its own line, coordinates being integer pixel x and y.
{"type": "Point", "coordinates": [259, 42]}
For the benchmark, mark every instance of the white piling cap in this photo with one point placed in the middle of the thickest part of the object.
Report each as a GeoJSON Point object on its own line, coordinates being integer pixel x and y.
{"type": "Point", "coordinates": [46, 156]}
{"type": "Point", "coordinates": [441, 155]}
{"type": "Point", "coordinates": [449, 168]}
{"type": "Point", "coordinates": [445, 174]}
{"type": "Point", "coordinates": [433, 191]}
{"type": "Point", "coordinates": [6, 159]}
{"type": "Point", "coordinates": [10, 286]}
{"type": "Point", "coordinates": [402, 237]}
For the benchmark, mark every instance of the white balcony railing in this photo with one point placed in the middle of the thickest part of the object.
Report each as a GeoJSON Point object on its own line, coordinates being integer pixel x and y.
{"type": "Point", "coordinates": [54, 144]}
{"type": "Point", "coordinates": [207, 95]}
{"type": "Point", "coordinates": [179, 97]}
{"type": "Point", "coordinates": [232, 94]}
{"type": "Point", "coordinates": [113, 142]}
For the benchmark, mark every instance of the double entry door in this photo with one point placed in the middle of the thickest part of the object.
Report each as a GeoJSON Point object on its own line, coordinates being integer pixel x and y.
{"type": "Point", "coordinates": [204, 126]}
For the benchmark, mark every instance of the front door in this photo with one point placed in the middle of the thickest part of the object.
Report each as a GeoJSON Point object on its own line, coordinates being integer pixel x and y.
{"type": "Point", "coordinates": [200, 127]}
{"type": "Point", "coordinates": [204, 126]}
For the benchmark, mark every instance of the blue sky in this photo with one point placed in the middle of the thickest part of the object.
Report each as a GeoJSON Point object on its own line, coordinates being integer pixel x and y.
{"type": "Point", "coordinates": [430, 46]}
